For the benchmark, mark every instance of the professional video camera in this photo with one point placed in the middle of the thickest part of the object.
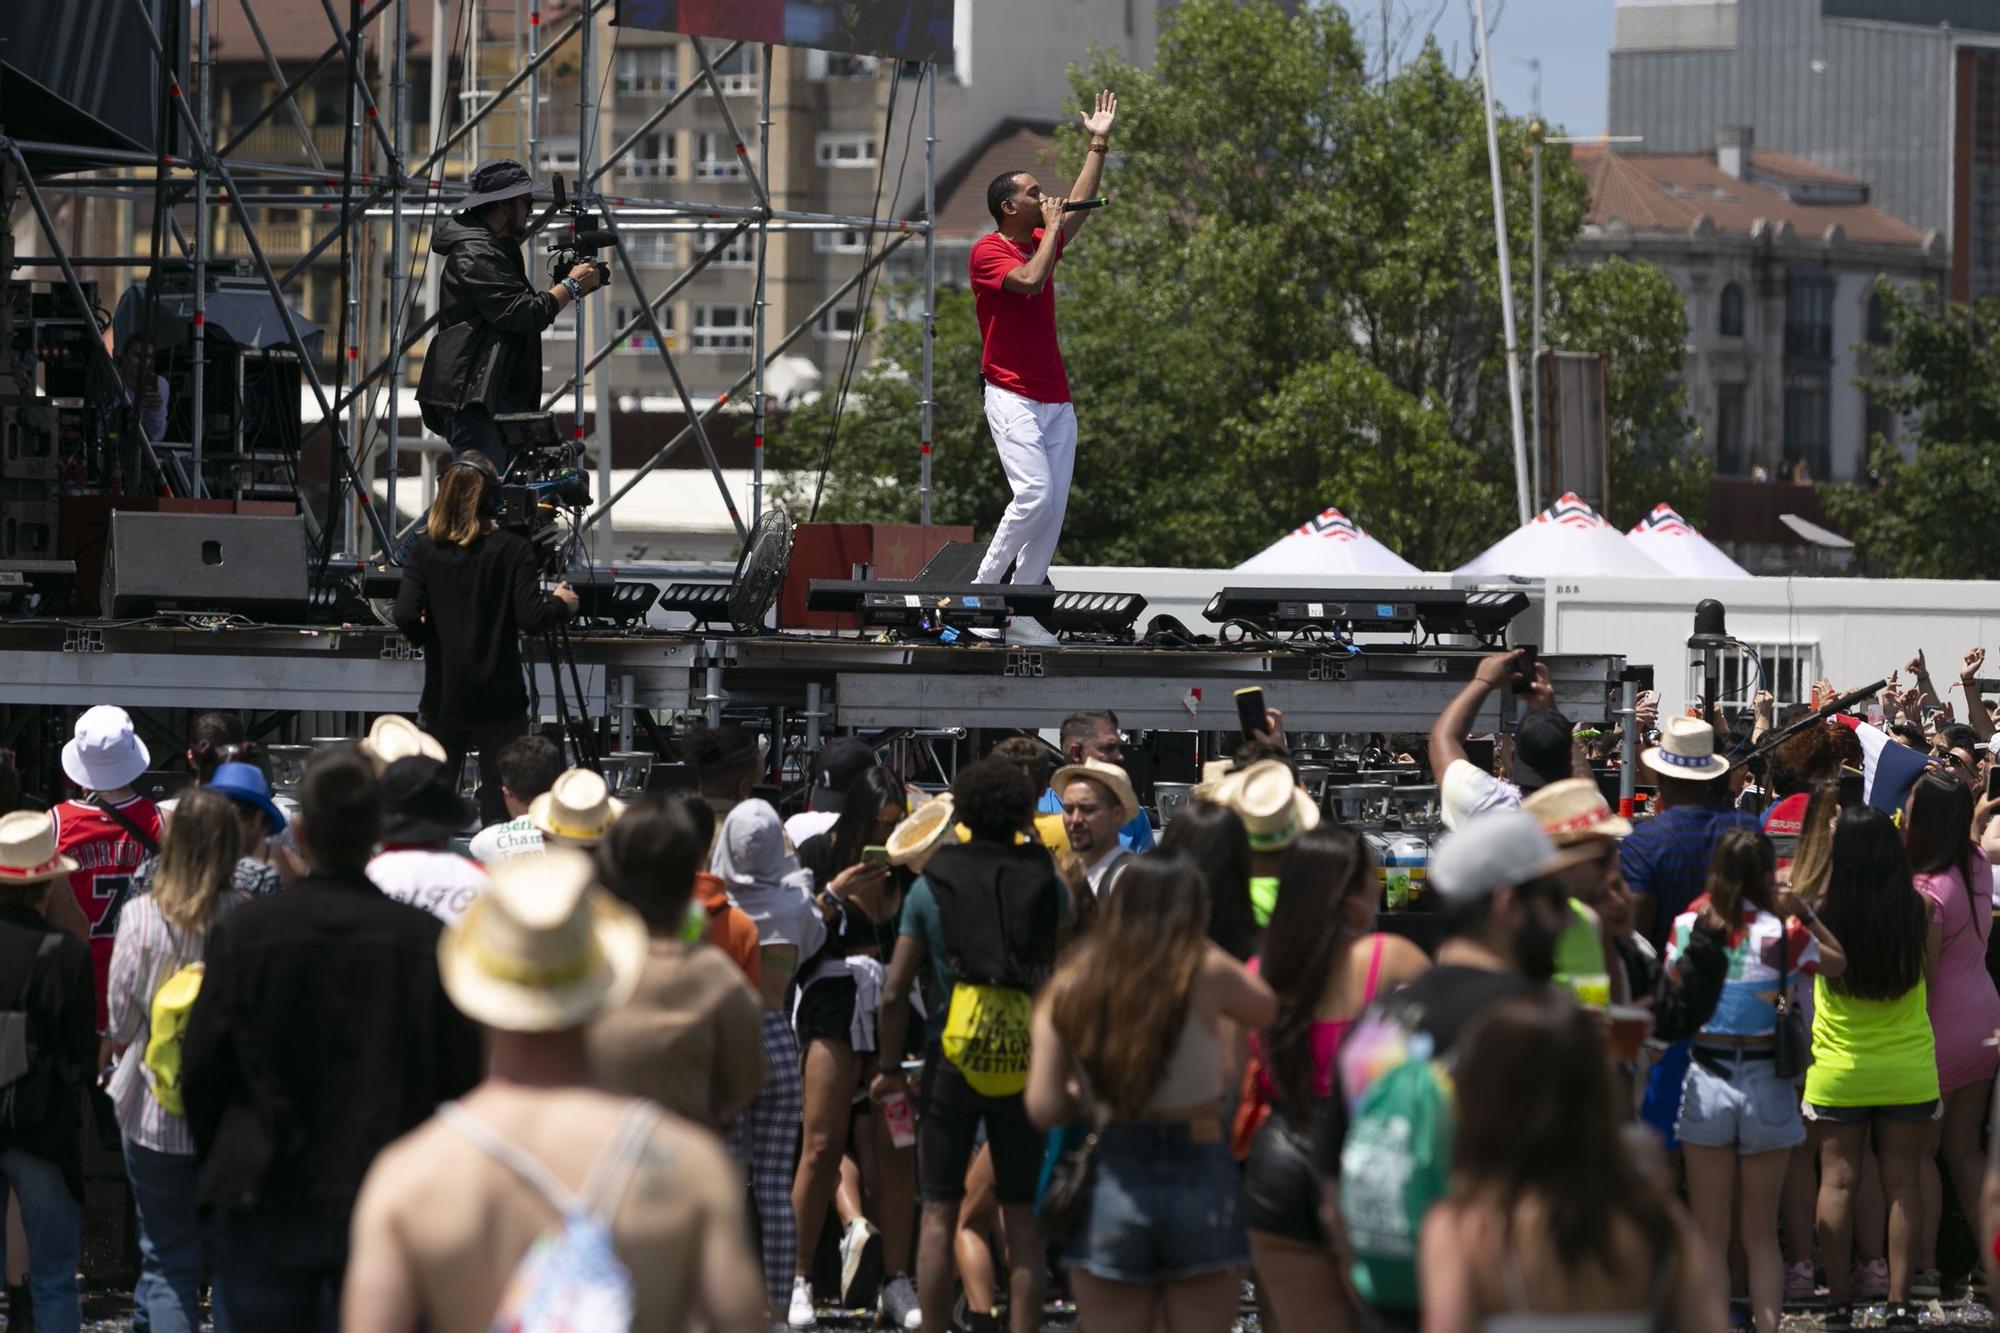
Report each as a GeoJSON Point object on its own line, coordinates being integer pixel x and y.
{"type": "Point", "coordinates": [574, 242]}
{"type": "Point", "coordinates": [544, 481]}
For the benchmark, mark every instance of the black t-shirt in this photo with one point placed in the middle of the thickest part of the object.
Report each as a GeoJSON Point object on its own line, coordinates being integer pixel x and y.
{"type": "Point", "coordinates": [1439, 1003]}
{"type": "Point", "coordinates": [467, 607]}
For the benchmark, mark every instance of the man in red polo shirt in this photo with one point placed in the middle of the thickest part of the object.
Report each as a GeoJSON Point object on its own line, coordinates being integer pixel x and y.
{"type": "Point", "coordinates": [1028, 407]}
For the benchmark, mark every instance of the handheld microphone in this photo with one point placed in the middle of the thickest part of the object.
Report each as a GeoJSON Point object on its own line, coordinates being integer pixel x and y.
{"type": "Point", "coordinates": [1080, 205]}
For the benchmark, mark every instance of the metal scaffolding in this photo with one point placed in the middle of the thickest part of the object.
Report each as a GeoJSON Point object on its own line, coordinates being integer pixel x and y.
{"type": "Point", "coordinates": [377, 300]}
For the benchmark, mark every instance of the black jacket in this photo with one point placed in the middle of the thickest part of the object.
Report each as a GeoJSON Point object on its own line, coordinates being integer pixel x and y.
{"type": "Point", "coordinates": [321, 1034]}
{"type": "Point", "coordinates": [467, 607]}
{"type": "Point", "coordinates": [488, 348]}
{"type": "Point", "coordinates": [57, 994]}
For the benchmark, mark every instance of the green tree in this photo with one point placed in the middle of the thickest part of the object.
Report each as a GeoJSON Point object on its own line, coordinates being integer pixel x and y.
{"type": "Point", "coordinates": [1295, 303]}
{"type": "Point", "coordinates": [1941, 373]}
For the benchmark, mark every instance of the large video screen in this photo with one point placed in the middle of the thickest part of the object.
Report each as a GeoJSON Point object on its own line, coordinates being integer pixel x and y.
{"type": "Point", "coordinates": [900, 29]}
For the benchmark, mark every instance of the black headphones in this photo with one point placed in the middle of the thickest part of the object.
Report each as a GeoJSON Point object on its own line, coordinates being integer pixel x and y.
{"type": "Point", "coordinates": [489, 486]}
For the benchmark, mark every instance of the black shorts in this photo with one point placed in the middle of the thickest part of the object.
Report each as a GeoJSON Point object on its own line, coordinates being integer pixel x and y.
{"type": "Point", "coordinates": [948, 1119]}
{"type": "Point", "coordinates": [826, 1011]}
{"type": "Point", "coordinates": [1281, 1190]}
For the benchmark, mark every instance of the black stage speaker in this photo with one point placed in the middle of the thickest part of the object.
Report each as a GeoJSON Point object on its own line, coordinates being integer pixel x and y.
{"type": "Point", "coordinates": [253, 566]}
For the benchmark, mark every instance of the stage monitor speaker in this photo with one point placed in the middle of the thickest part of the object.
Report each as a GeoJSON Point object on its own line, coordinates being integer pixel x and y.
{"type": "Point", "coordinates": [251, 565]}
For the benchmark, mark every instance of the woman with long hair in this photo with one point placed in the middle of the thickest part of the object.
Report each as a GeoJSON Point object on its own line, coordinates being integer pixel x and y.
{"type": "Point", "coordinates": [1739, 1121]}
{"type": "Point", "coordinates": [1129, 1034]}
{"type": "Point", "coordinates": [1213, 836]}
{"type": "Point", "coordinates": [470, 590]}
{"type": "Point", "coordinates": [1551, 1222]}
{"type": "Point", "coordinates": [1964, 1007]}
{"type": "Point", "coordinates": [837, 986]}
{"type": "Point", "coordinates": [1326, 963]}
{"type": "Point", "coordinates": [1874, 1070]}
{"type": "Point", "coordinates": [159, 933]}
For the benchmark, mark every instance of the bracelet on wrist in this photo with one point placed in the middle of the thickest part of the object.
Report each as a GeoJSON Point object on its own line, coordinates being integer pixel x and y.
{"type": "Point", "coordinates": [575, 288]}
{"type": "Point", "coordinates": [1100, 145]}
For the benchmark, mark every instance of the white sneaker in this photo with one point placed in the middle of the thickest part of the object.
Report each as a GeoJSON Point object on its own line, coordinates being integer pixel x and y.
{"type": "Point", "coordinates": [860, 1264]}
{"type": "Point", "coordinates": [899, 1304]}
{"type": "Point", "coordinates": [802, 1314]}
{"type": "Point", "coordinates": [1029, 634]}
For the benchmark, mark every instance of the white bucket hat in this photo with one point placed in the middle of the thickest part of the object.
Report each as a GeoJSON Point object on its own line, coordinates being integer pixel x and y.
{"type": "Point", "coordinates": [577, 809]}
{"type": "Point", "coordinates": [394, 737]}
{"type": "Point", "coordinates": [1686, 750]}
{"type": "Point", "coordinates": [105, 753]}
{"type": "Point", "coordinates": [543, 948]}
{"type": "Point", "coordinates": [28, 852]}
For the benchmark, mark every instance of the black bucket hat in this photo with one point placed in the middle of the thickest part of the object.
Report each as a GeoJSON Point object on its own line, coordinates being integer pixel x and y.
{"type": "Point", "coordinates": [421, 804]}
{"type": "Point", "coordinates": [492, 181]}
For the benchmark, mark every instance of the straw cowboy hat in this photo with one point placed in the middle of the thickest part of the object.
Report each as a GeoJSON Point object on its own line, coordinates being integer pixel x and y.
{"type": "Point", "coordinates": [1274, 808]}
{"type": "Point", "coordinates": [28, 852]}
{"type": "Point", "coordinates": [543, 948]}
{"type": "Point", "coordinates": [105, 753]}
{"type": "Point", "coordinates": [1686, 750]}
{"type": "Point", "coordinates": [394, 737]}
{"type": "Point", "coordinates": [577, 810]}
{"type": "Point", "coordinates": [1573, 810]}
{"type": "Point", "coordinates": [1108, 776]}
{"type": "Point", "coordinates": [1213, 774]}
{"type": "Point", "coordinates": [921, 832]}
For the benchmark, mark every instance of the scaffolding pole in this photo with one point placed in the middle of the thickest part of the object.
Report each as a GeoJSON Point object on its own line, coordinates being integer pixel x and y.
{"type": "Point", "coordinates": [760, 310]}
{"type": "Point", "coordinates": [198, 333]}
{"type": "Point", "coordinates": [930, 304]}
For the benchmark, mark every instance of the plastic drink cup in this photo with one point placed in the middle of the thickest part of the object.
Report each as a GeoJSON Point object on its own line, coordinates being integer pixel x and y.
{"type": "Point", "coordinates": [1630, 1026]}
{"type": "Point", "coordinates": [902, 1118]}
{"type": "Point", "coordinates": [1592, 991]}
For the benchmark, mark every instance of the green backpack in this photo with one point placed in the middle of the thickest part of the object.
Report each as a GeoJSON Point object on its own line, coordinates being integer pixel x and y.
{"type": "Point", "coordinates": [1395, 1164]}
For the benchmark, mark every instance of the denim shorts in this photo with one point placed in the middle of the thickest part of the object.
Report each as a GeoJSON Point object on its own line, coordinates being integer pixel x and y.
{"type": "Point", "coordinates": [1162, 1207]}
{"type": "Point", "coordinates": [1748, 1108]}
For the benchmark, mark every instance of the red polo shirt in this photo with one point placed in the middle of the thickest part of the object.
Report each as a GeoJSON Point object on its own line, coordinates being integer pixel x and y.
{"type": "Point", "coordinates": [1017, 334]}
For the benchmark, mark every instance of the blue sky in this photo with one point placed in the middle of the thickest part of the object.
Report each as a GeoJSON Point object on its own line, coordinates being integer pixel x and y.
{"type": "Point", "coordinates": [1572, 39]}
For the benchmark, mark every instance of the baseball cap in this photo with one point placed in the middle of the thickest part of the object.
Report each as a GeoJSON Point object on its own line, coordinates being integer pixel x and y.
{"type": "Point", "coordinates": [1543, 744]}
{"type": "Point", "coordinates": [841, 760]}
{"type": "Point", "coordinates": [1492, 851]}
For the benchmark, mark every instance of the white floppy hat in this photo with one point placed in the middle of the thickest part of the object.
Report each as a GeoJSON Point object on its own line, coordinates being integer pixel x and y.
{"type": "Point", "coordinates": [395, 737]}
{"type": "Point", "coordinates": [1274, 808]}
{"type": "Point", "coordinates": [1495, 850]}
{"type": "Point", "coordinates": [577, 809]}
{"type": "Point", "coordinates": [1686, 750]}
{"type": "Point", "coordinates": [1108, 776]}
{"type": "Point", "coordinates": [105, 754]}
{"type": "Point", "coordinates": [28, 852]}
{"type": "Point", "coordinates": [543, 948]}
{"type": "Point", "coordinates": [922, 832]}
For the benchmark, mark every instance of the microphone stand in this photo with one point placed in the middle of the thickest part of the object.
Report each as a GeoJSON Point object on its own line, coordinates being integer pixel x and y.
{"type": "Point", "coordinates": [1783, 734]}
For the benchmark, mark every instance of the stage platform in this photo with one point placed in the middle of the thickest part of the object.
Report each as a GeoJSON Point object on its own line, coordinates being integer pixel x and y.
{"type": "Point", "coordinates": [839, 682]}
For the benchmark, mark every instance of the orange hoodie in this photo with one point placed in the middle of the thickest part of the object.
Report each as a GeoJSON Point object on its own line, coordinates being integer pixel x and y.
{"type": "Point", "coordinates": [728, 928]}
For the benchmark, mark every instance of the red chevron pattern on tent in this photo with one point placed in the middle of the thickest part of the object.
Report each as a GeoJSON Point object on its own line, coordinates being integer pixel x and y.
{"type": "Point", "coordinates": [1571, 511]}
{"type": "Point", "coordinates": [1332, 524]}
{"type": "Point", "coordinates": [1328, 544]}
{"type": "Point", "coordinates": [1671, 542]}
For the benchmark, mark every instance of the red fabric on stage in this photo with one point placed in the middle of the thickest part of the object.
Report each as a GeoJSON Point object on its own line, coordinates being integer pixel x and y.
{"type": "Point", "coordinates": [1017, 334]}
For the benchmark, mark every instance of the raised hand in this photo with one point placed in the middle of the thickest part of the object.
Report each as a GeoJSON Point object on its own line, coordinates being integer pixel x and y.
{"type": "Point", "coordinates": [1915, 666]}
{"type": "Point", "coordinates": [1097, 123]}
{"type": "Point", "coordinates": [1975, 658]}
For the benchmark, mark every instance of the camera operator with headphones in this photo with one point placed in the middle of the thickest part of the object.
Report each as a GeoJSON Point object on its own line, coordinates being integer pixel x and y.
{"type": "Point", "coordinates": [487, 356]}
{"type": "Point", "coordinates": [470, 590]}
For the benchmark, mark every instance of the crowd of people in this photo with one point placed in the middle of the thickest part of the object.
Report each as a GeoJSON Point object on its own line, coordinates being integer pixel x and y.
{"type": "Point", "coordinates": [683, 1062]}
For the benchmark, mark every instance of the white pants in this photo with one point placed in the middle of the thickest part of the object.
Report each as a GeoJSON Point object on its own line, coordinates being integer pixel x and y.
{"type": "Point", "coordinates": [1037, 444]}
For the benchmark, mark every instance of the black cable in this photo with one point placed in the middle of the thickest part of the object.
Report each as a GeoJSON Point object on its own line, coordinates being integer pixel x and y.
{"type": "Point", "coordinates": [861, 287]}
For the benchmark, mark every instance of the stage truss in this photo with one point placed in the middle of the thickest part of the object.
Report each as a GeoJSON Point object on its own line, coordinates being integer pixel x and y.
{"type": "Point", "coordinates": [211, 176]}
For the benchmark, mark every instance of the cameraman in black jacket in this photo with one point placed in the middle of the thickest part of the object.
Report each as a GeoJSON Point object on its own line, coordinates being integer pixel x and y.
{"type": "Point", "coordinates": [487, 356]}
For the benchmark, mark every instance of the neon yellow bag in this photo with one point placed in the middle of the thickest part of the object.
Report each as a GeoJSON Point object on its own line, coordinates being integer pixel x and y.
{"type": "Point", "coordinates": [986, 1037]}
{"type": "Point", "coordinates": [173, 1002]}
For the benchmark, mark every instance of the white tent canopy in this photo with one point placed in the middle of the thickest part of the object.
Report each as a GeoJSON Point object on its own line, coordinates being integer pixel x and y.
{"type": "Point", "coordinates": [1672, 542]}
{"type": "Point", "coordinates": [1566, 538]}
{"type": "Point", "coordinates": [1331, 544]}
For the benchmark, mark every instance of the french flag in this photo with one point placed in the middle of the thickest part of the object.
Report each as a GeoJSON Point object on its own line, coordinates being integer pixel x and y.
{"type": "Point", "coordinates": [1891, 768]}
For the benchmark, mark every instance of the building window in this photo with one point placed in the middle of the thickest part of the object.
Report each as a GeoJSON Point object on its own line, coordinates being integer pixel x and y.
{"type": "Point", "coordinates": [715, 158]}
{"type": "Point", "coordinates": [1730, 320]}
{"type": "Point", "coordinates": [1809, 425]}
{"type": "Point", "coordinates": [739, 253]}
{"type": "Point", "coordinates": [839, 322]}
{"type": "Point", "coordinates": [1878, 421]}
{"type": "Point", "coordinates": [1731, 458]}
{"type": "Point", "coordinates": [737, 74]}
{"type": "Point", "coordinates": [651, 247]}
{"type": "Point", "coordinates": [1808, 313]}
{"type": "Point", "coordinates": [1789, 671]}
{"type": "Point", "coordinates": [559, 156]}
{"type": "Point", "coordinates": [655, 157]}
{"type": "Point", "coordinates": [845, 150]}
{"type": "Point", "coordinates": [719, 328]}
{"type": "Point", "coordinates": [330, 105]}
{"type": "Point", "coordinates": [648, 70]}
{"type": "Point", "coordinates": [641, 339]}
{"type": "Point", "coordinates": [822, 66]}
{"type": "Point", "coordinates": [852, 241]}
{"type": "Point", "coordinates": [1878, 319]}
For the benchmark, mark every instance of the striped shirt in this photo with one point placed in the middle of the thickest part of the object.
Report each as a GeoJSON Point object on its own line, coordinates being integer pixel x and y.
{"type": "Point", "coordinates": [144, 954]}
